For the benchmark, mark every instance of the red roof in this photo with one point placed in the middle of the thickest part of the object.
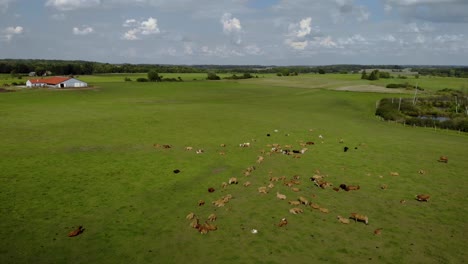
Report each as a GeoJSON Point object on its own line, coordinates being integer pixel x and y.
{"type": "Point", "coordinates": [51, 80]}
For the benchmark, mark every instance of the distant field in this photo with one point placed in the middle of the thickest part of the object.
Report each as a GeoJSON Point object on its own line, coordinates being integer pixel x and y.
{"type": "Point", "coordinates": [86, 157]}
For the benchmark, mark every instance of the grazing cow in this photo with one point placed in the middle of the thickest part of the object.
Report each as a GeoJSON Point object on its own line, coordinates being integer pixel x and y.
{"type": "Point", "coordinates": [294, 203]}
{"type": "Point", "coordinates": [343, 220]}
{"type": "Point", "coordinates": [359, 217]}
{"type": "Point", "coordinates": [223, 145]}
{"type": "Point", "coordinates": [336, 189]}
{"type": "Point", "coordinates": [303, 150]}
{"type": "Point", "coordinates": [166, 146]}
{"type": "Point", "coordinates": [156, 145]}
{"type": "Point", "coordinates": [201, 202]}
{"type": "Point", "coordinates": [443, 159]}
{"type": "Point", "coordinates": [314, 206]}
{"type": "Point", "coordinates": [283, 222]}
{"type": "Point", "coordinates": [296, 177]}
{"type": "Point", "coordinates": [271, 185]}
{"type": "Point", "coordinates": [345, 149]}
{"type": "Point", "coordinates": [200, 151]}
{"type": "Point", "coordinates": [76, 232]}
{"type": "Point", "coordinates": [378, 231]}
{"type": "Point", "coordinates": [222, 153]}
{"type": "Point", "coordinates": [188, 148]}
{"type": "Point", "coordinates": [310, 143]}
{"type": "Point", "coordinates": [393, 173]}
{"type": "Point", "coordinates": [211, 189]}
{"type": "Point", "coordinates": [202, 229]}
{"type": "Point", "coordinates": [263, 190]}
{"type": "Point", "coordinates": [251, 169]}
{"type": "Point", "coordinates": [233, 180]}
{"type": "Point", "coordinates": [190, 216]}
{"type": "Point", "coordinates": [423, 197]}
{"type": "Point", "coordinates": [212, 217]}
{"type": "Point", "coordinates": [260, 159]}
{"type": "Point", "coordinates": [224, 185]}
{"type": "Point", "coordinates": [422, 172]}
{"type": "Point", "coordinates": [246, 173]}
{"type": "Point", "coordinates": [352, 188]}
{"type": "Point", "coordinates": [210, 227]}
{"type": "Point", "coordinates": [296, 210]}
{"type": "Point", "coordinates": [195, 223]}
{"type": "Point", "coordinates": [247, 183]}
{"type": "Point", "coordinates": [280, 196]}
{"type": "Point", "coordinates": [324, 210]}
{"type": "Point", "coordinates": [244, 145]}
{"type": "Point", "coordinates": [176, 171]}
{"type": "Point", "coordinates": [303, 200]}
{"type": "Point", "coordinates": [268, 135]}
{"type": "Point", "coordinates": [294, 189]}
{"type": "Point", "coordinates": [219, 203]}
{"type": "Point", "coordinates": [274, 179]}
{"type": "Point", "coordinates": [383, 186]}
{"type": "Point", "coordinates": [402, 201]}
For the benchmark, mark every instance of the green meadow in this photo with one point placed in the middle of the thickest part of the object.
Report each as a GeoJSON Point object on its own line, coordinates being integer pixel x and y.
{"type": "Point", "coordinates": [87, 158]}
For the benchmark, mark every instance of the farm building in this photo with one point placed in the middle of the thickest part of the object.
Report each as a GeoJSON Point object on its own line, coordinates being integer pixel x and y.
{"type": "Point", "coordinates": [56, 82]}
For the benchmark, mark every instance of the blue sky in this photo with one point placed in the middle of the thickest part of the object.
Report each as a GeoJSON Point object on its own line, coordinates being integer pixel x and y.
{"type": "Point", "coordinates": [265, 32]}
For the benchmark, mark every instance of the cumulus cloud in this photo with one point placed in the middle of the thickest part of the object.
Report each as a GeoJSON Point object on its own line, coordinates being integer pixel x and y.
{"type": "Point", "coordinates": [232, 27]}
{"type": "Point", "coordinates": [84, 31]}
{"type": "Point", "coordinates": [138, 28]}
{"type": "Point", "coordinates": [9, 32]}
{"type": "Point", "coordinates": [298, 32]}
{"type": "Point", "coordinates": [67, 5]}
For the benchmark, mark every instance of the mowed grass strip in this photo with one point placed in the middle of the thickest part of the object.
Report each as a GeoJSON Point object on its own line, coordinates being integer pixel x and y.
{"type": "Point", "coordinates": [86, 158]}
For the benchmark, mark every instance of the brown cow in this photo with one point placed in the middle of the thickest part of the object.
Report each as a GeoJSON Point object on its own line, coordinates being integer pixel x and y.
{"type": "Point", "coordinates": [423, 197]}
{"type": "Point", "coordinates": [76, 232]}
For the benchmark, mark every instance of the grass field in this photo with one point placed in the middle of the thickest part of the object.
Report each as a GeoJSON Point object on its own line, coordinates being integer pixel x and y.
{"type": "Point", "coordinates": [86, 157]}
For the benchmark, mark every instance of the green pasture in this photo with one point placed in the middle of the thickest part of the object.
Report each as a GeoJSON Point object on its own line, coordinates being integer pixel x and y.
{"type": "Point", "coordinates": [86, 157]}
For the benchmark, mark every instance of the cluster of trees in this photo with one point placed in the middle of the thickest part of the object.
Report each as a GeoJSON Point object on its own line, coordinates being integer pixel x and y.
{"type": "Point", "coordinates": [375, 75]}
{"type": "Point", "coordinates": [447, 110]}
{"type": "Point", "coordinates": [443, 71]}
{"type": "Point", "coordinates": [243, 76]}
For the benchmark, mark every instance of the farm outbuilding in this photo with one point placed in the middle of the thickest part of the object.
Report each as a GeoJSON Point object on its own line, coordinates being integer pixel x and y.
{"type": "Point", "coordinates": [56, 82]}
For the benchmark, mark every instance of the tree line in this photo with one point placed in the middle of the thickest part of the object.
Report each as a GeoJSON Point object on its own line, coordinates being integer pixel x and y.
{"type": "Point", "coordinates": [78, 67]}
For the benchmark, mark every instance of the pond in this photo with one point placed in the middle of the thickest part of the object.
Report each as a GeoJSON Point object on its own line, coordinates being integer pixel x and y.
{"type": "Point", "coordinates": [437, 118]}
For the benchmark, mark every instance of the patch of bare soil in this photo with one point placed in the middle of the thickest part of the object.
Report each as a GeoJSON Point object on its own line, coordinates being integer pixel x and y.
{"type": "Point", "coordinates": [369, 89]}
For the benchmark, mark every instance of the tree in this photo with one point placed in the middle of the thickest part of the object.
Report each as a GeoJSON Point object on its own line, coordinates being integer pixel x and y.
{"type": "Point", "coordinates": [213, 76]}
{"type": "Point", "coordinates": [321, 71]}
{"type": "Point", "coordinates": [153, 76]}
{"type": "Point", "coordinates": [364, 75]}
{"type": "Point", "coordinates": [374, 75]}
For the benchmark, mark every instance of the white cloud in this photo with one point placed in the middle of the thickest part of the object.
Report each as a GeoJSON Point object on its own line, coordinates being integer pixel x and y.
{"type": "Point", "coordinates": [129, 23]}
{"type": "Point", "coordinates": [9, 32]}
{"type": "Point", "coordinates": [304, 27]}
{"type": "Point", "coordinates": [326, 42]}
{"type": "Point", "coordinates": [4, 5]}
{"type": "Point", "coordinates": [149, 26]}
{"type": "Point", "coordinates": [449, 38]}
{"type": "Point", "coordinates": [67, 5]}
{"type": "Point", "coordinates": [230, 24]}
{"type": "Point", "coordinates": [232, 27]}
{"type": "Point", "coordinates": [419, 2]}
{"type": "Point", "coordinates": [84, 31]}
{"type": "Point", "coordinates": [297, 45]}
{"type": "Point", "coordinates": [145, 27]}
{"type": "Point", "coordinates": [355, 39]}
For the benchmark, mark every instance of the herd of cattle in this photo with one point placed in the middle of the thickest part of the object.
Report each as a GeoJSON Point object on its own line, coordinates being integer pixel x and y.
{"type": "Point", "coordinates": [299, 203]}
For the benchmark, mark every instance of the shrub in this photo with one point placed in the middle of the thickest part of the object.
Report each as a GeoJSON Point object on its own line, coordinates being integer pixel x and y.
{"type": "Point", "coordinates": [142, 80]}
{"type": "Point", "coordinates": [127, 79]}
{"type": "Point", "coordinates": [212, 76]}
